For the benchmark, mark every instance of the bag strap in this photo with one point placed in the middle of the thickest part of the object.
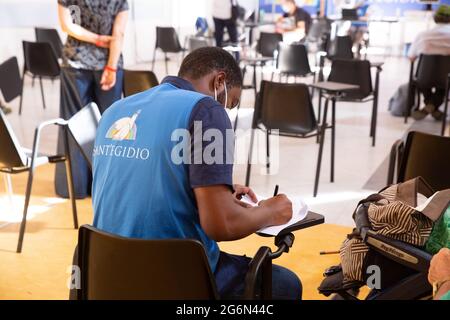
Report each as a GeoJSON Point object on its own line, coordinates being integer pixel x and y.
{"type": "Point", "coordinates": [436, 206]}
{"type": "Point", "coordinates": [407, 191]}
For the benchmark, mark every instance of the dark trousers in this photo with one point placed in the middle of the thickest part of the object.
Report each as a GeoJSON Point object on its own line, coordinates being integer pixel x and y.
{"type": "Point", "coordinates": [433, 96]}
{"type": "Point", "coordinates": [230, 279]}
{"type": "Point", "coordinates": [78, 88]}
{"type": "Point", "coordinates": [220, 26]}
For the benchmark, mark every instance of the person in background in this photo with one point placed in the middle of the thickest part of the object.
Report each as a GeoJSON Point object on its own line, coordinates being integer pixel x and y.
{"type": "Point", "coordinates": [147, 185]}
{"type": "Point", "coordinates": [434, 41]}
{"type": "Point", "coordinates": [91, 70]}
{"type": "Point", "coordinates": [439, 274]}
{"type": "Point", "coordinates": [301, 18]}
{"type": "Point", "coordinates": [222, 16]}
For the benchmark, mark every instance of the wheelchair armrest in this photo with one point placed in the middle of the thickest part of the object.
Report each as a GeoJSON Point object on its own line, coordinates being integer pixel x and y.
{"type": "Point", "coordinates": [260, 267]}
{"type": "Point", "coordinates": [395, 158]}
{"type": "Point", "coordinates": [401, 252]}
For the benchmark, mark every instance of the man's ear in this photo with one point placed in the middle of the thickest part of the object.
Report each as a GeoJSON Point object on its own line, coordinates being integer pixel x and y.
{"type": "Point", "coordinates": [219, 81]}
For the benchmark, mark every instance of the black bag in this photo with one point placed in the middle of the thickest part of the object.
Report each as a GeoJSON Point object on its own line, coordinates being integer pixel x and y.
{"type": "Point", "coordinates": [237, 12]}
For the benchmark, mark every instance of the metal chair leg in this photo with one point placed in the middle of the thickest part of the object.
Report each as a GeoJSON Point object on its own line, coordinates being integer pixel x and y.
{"type": "Point", "coordinates": [444, 121]}
{"type": "Point", "coordinates": [25, 209]}
{"type": "Point", "coordinates": [69, 175]}
{"type": "Point", "coordinates": [42, 91]}
{"type": "Point", "coordinates": [333, 137]}
{"type": "Point", "coordinates": [166, 59]}
{"type": "Point", "coordinates": [249, 161]}
{"type": "Point", "coordinates": [8, 186]}
{"type": "Point", "coordinates": [322, 139]}
{"type": "Point", "coordinates": [268, 151]}
{"type": "Point", "coordinates": [153, 61]}
{"type": "Point", "coordinates": [21, 93]}
{"type": "Point", "coordinates": [237, 117]}
{"type": "Point", "coordinates": [319, 113]}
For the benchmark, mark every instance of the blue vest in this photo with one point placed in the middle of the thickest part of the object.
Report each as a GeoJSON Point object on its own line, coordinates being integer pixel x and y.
{"type": "Point", "coordinates": [138, 191]}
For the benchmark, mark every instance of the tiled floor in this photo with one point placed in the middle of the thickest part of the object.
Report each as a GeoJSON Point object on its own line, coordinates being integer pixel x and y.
{"type": "Point", "coordinates": [356, 159]}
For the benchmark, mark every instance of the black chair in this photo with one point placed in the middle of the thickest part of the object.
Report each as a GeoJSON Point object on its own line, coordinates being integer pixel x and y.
{"type": "Point", "coordinates": [118, 268]}
{"type": "Point", "coordinates": [288, 109]}
{"type": "Point", "coordinates": [444, 121]}
{"type": "Point", "coordinates": [10, 80]}
{"type": "Point", "coordinates": [83, 129]}
{"type": "Point", "coordinates": [196, 42]}
{"type": "Point", "coordinates": [422, 155]}
{"type": "Point", "coordinates": [293, 61]}
{"type": "Point", "coordinates": [431, 72]}
{"type": "Point", "coordinates": [14, 160]}
{"type": "Point", "coordinates": [41, 62]}
{"type": "Point", "coordinates": [267, 48]}
{"type": "Point", "coordinates": [357, 72]}
{"type": "Point", "coordinates": [268, 44]}
{"type": "Point", "coordinates": [168, 42]}
{"type": "Point", "coordinates": [50, 36]}
{"type": "Point", "coordinates": [136, 81]}
{"type": "Point", "coordinates": [340, 48]}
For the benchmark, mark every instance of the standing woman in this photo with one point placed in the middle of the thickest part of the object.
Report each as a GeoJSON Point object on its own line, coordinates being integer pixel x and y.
{"type": "Point", "coordinates": [91, 70]}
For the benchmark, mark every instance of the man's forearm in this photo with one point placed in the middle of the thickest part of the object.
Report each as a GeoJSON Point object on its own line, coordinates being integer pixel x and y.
{"type": "Point", "coordinates": [115, 50]}
{"type": "Point", "coordinates": [80, 33]}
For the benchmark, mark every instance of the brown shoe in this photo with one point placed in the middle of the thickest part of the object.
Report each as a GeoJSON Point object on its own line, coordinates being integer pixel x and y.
{"type": "Point", "coordinates": [419, 115]}
{"type": "Point", "coordinates": [438, 115]}
{"type": "Point", "coordinates": [430, 108]}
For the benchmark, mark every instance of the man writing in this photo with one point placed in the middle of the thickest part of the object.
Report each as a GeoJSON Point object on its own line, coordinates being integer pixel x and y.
{"type": "Point", "coordinates": [149, 195]}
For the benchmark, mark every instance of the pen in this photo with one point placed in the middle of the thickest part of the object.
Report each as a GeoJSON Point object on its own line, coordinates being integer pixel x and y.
{"type": "Point", "coordinates": [276, 191]}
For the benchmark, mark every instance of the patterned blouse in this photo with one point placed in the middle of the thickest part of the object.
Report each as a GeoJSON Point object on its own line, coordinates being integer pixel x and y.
{"type": "Point", "coordinates": [96, 16]}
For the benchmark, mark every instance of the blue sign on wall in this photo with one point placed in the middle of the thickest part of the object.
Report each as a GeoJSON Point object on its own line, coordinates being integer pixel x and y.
{"type": "Point", "coordinates": [386, 8]}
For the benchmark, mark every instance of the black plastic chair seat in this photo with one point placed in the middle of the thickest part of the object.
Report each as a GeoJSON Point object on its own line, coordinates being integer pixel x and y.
{"type": "Point", "coordinates": [287, 108]}
{"type": "Point", "coordinates": [293, 60]}
{"type": "Point", "coordinates": [10, 79]}
{"type": "Point", "coordinates": [357, 72]}
{"type": "Point", "coordinates": [40, 59]}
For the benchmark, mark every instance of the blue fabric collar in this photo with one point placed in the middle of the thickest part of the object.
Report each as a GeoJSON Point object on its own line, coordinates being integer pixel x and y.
{"type": "Point", "coordinates": [179, 83]}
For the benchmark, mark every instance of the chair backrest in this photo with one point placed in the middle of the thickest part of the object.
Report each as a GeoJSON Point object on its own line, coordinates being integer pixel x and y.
{"type": "Point", "coordinates": [197, 43]}
{"type": "Point", "coordinates": [426, 156]}
{"type": "Point", "coordinates": [10, 79]}
{"type": "Point", "coordinates": [318, 29]}
{"type": "Point", "coordinates": [167, 39]}
{"type": "Point", "coordinates": [136, 81]}
{"type": "Point", "coordinates": [83, 129]}
{"type": "Point", "coordinates": [11, 153]}
{"type": "Point", "coordinates": [286, 107]}
{"type": "Point", "coordinates": [293, 59]}
{"type": "Point", "coordinates": [268, 43]}
{"type": "Point", "coordinates": [40, 59]}
{"type": "Point", "coordinates": [50, 36]}
{"type": "Point", "coordinates": [432, 71]}
{"type": "Point", "coordinates": [355, 72]}
{"type": "Point", "coordinates": [117, 268]}
{"type": "Point", "coordinates": [340, 48]}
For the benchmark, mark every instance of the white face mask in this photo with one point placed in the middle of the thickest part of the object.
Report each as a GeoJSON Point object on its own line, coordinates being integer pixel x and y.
{"type": "Point", "coordinates": [285, 8]}
{"type": "Point", "coordinates": [226, 95]}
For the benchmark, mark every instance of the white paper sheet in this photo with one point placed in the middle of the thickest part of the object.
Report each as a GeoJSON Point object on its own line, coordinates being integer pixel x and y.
{"type": "Point", "coordinates": [299, 212]}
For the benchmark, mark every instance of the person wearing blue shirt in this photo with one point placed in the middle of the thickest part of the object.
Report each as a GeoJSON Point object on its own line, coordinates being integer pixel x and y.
{"type": "Point", "coordinates": [154, 178]}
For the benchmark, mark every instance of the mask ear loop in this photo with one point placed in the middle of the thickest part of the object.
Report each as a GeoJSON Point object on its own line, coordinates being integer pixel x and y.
{"type": "Point", "coordinates": [226, 95]}
{"type": "Point", "coordinates": [215, 93]}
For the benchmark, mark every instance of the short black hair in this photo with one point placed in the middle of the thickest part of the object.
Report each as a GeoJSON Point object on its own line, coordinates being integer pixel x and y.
{"type": "Point", "coordinates": [205, 60]}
